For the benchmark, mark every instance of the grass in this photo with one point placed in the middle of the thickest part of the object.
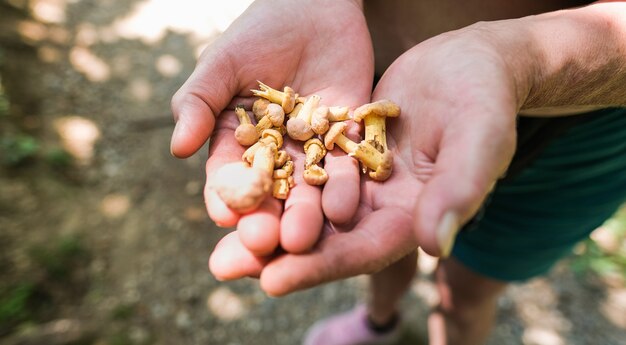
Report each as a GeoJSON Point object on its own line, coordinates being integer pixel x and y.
{"type": "Point", "coordinates": [594, 257]}
{"type": "Point", "coordinates": [31, 299]}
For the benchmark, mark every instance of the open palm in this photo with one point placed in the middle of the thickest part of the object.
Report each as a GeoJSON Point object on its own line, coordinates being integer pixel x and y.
{"type": "Point", "coordinates": [326, 51]}
{"type": "Point", "coordinates": [455, 137]}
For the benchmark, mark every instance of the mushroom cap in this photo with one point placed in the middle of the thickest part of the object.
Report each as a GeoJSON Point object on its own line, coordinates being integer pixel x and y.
{"type": "Point", "coordinates": [338, 113]}
{"type": "Point", "coordinates": [298, 129]}
{"type": "Point", "coordinates": [313, 141]}
{"type": "Point", "coordinates": [334, 131]}
{"type": "Point", "coordinates": [258, 108]}
{"type": "Point", "coordinates": [246, 134]}
{"type": "Point", "coordinates": [315, 175]}
{"type": "Point", "coordinates": [289, 101]}
{"type": "Point", "coordinates": [274, 134]}
{"type": "Point", "coordinates": [241, 188]}
{"type": "Point", "coordinates": [383, 171]}
{"type": "Point", "coordinates": [281, 158]}
{"type": "Point", "coordinates": [319, 120]}
{"type": "Point", "coordinates": [383, 108]}
{"type": "Point", "coordinates": [275, 113]}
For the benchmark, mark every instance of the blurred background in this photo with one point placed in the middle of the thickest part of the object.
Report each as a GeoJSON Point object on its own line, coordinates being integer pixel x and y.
{"type": "Point", "coordinates": [104, 237]}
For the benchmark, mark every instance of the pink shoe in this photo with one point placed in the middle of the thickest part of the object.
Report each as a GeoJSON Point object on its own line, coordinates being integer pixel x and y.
{"type": "Point", "coordinates": [350, 328]}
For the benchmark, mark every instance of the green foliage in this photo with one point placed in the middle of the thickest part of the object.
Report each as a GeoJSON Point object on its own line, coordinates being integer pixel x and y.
{"type": "Point", "coordinates": [58, 158]}
{"type": "Point", "coordinates": [123, 312]}
{"type": "Point", "coordinates": [4, 104]}
{"type": "Point", "coordinates": [16, 150]}
{"type": "Point", "coordinates": [14, 301]}
{"type": "Point", "coordinates": [592, 257]}
{"type": "Point", "coordinates": [60, 258]}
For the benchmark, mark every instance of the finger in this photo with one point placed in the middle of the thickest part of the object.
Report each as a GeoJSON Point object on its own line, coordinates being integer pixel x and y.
{"type": "Point", "coordinates": [232, 260]}
{"type": "Point", "coordinates": [340, 199]}
{"type": "Point", "coordinates": [221, 214]}
{"type": "Point", "coordinates": [341, 192]}
{"type": "Point", "coordinates": [381, 238]}
{"type": "Point", "coordinates": [223, 149]}
{"type": "Point", "coordinates": [204, 95]}
{"type": "Point", "coordinates": [472, 155]}
{"type": "Point", "coordinates": [259, 231]}
{"type": "Point", "coordinates": [302, 220]}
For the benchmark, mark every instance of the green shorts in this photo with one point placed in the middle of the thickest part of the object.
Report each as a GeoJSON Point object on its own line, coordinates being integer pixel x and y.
{"type": "Point", "coordinates": [530, 221]}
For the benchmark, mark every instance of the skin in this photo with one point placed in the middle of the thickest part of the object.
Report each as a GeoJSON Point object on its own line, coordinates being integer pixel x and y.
{"type": "Point", "coordinates": [229, 68]}
{"type": "Point", "coordinates": [454, 139]}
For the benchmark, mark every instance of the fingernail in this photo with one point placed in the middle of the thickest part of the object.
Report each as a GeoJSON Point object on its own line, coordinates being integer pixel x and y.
{"type": "Point", "coordinates": [446, 232]}
{"type": "Point", "coordinates": [174, 137]}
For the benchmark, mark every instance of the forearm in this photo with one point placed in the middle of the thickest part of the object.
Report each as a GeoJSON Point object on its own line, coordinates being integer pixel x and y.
{"type": "Point", "coordinates": [572, 59]}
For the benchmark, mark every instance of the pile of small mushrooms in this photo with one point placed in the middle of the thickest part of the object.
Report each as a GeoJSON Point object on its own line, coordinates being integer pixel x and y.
{"type": "Point", "coordinates": [266, 167]}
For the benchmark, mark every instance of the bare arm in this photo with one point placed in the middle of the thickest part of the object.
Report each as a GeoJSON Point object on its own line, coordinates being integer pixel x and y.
{"type": "Point", "coordinates": [570, 60]}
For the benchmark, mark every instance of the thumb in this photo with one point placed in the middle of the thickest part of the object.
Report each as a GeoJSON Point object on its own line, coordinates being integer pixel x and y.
{"type": "Point", "coordinates": [204, 95]}
{"type": "Point", "coordinates": [473, 153]}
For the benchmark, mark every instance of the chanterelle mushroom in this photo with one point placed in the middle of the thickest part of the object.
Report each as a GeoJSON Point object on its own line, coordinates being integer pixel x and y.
{"type": "Point", "coordinates": [242, 188]}
{"type": "Point", "coordinates": [299, 127]}
{"type": "Point", "coordinates": [286, 99]}
{"type": "Point", "coordinates": [374, 115]}
{"type": "Point", "coordinates": [314, 151]}
{"type": "Point", "coordinates": [380, 163]}
{"type": "Point", "coordinates": [274, 116]}
{"type": "Point", "coordinates": [246, 133]}
{"type": "Point", "coordinates": [268, 136]}
{"type": "Point", "coordinates": [315, 175]}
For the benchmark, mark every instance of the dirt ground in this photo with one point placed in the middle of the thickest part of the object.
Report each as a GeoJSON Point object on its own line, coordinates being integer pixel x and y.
{"type": "Point", "coordinates": [111, 248]}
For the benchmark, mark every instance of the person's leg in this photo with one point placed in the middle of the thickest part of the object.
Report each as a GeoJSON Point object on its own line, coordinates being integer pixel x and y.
{"type": "Point", "coordinates": [376, 321]}
{"type": "Point", "coordinates": [387, 287]}
{"type": "Point", "coordinates": [467, 309]}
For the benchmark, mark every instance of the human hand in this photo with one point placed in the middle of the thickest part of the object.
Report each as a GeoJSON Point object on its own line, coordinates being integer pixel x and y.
{"type": "Point", "coordinates": [319, 48]}
{"type": "Point", "coordinates": [454, 138]}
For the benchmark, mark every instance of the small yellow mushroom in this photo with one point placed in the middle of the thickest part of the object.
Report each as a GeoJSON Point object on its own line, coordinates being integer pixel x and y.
{"type": "Point", "coordinates": [379, 163]}
{"type": "Point", "coordinates": [268, 136]}
{"type": "Point", "coordinates": [281, 158]}
{"type": "Point", "coordinates": [374, 114]}
{"type": "Point", "coordinates": [246, 133]}
{"type": "Point", "coordinates": [299, 127]}
{"type": "Point", "coordinates": [319, 120]}
{"type": "Point", "coordinates": [283, 181]}
{"type": "Point", "coordinates": [242, 188]}
{"type": "Point", "coordinates": [314, 151]}
{"type": "Point", "coordinates": [258, 108]}
{"type": "Point", "coordinates": [315, 175]}
{"type": "Point", "coordinates": [296, 110]}
{"type": "Point", "coordinates": [286, 99]}
{"type": "Point", "coordinates": [336, 114]}
{"type": "Point", "coordinates": [274, 117]}
{"type": "Point", "coordinates": [280, 188]}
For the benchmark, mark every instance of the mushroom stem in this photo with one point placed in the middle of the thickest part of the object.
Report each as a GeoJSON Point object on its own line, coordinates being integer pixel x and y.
{"type": "Point", "coordinates": [314, 151]}
{"type": "Point", "coordinates": [368, 155]}
{"type": "Point", "coordinates": [306, 113]}
{"type": "Point", "coordinates": [286, 99]}
{"type": "Point", "coordinates": [242, 115]}
{"type": "Point", "coordinates": [299, 127]}
{"type": "Point", "coordinates": [264, 158]}
{"type": "Point", "coordinates": [374, 114]}
{"type": "Point", "coordinates": [295, 111]}
{"type": "Point", "coordinates": [245, 133]}
{"type": "Point", "coordinates": [346, 144]}
{"type": "Point", "coordinates": [375, 132]}
{"type": "Point", "coordinates": [338, 114]}
{"type": "Point", "coordinates": [269, 136]}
